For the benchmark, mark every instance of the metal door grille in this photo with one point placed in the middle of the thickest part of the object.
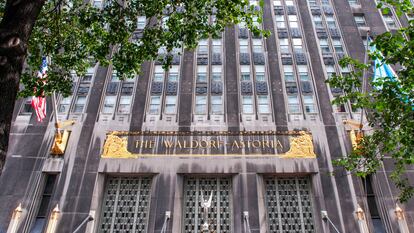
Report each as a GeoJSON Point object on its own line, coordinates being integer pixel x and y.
{"type": "Point", "coordinates": [126, 204]}
{"type": "Point", "coordinates": [219, 214]}
{"type": "Point", "coordinates": [289, 205]}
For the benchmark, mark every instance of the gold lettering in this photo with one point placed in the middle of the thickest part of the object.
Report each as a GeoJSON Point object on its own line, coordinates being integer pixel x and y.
{"type": "Point", "coordinates": [256, 144]}
{"type": "Point", "coordinates": [168, 143]}
{"type": "Point", "coordinates": [151, 144]}
{"type": "Point", "coordinates": [279, 144]}
{"type": "Point", "coordinates": [266, 143]}
{"type": "Point", "coordinates": [206, 144]}
{"type": "Point", "coordinates": [179, 144]}
{"type": "Point", "coordinates": [213, 144]}
{"type": "Point", "coordinates": [235, 144]}
{"type": "Point", "coordinates": [194, 144]}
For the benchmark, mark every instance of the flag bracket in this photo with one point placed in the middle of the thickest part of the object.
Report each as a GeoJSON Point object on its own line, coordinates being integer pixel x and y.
{"type": "Point", "coordinates": [356, 133]}
{"type": "Point", "coordinates": [61, 138]}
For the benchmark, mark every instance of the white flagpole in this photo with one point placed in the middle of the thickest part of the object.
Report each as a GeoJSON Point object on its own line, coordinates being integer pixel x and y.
{"type": "Point", "coordinates": [364, 80]}
{"type": "Point", "coordinates": [54, 100]}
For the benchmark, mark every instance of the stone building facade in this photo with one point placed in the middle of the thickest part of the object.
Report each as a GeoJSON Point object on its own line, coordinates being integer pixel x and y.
{"type": "Point", "coordinates": [238, 136]}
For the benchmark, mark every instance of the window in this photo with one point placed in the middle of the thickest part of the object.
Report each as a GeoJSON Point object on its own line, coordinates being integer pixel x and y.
{"type": "Point", "coordinates": [242, 25]}
{"type": "Point", "coordinates": [289, 205]}
{"type": "Point", "coordinates": [170, 104]}
{"type": "Point", "coordinates": [257, 46]}
{"type": "Point", "coordinates": [280, 21]}
{"type": "Point", "coordinates": [245, 73]}
{"type": "Point", "coordinates": [80, 91]}
{"type": "Point", "coordinates": [247, 102]}
{"type": "Point", "coordinates": [26, 108]}
{"type": "Point", "coordinates": [203, 47]}
{"type": "Point", "coordinates": [289, 2]}
{"type": "Point", "coordinates": [64, 104]}
{"type": "Point", "coordinates": [330, 70]}
{"type": "Point", "coordinates": [127, 88]}
{"type": "Point", "coordinates": [260, 73]}
{"type": "Point", "coordinates": [309, 104]}
{"type": "Point", "coordinates": [217, 46]}
{"type": "Point", "coordinates": [109, 104]}
{"type": "Point", "coordinates": [201, 104]}
{"type": "Point", "coordinates": [256, 22]}
{"type": "Point", "coordinates": [155, 105]}
{"type": "Point", "coordinates": [216, 104]}
{"type": "Point", "coordinates": [360, 20]}
{"type": "Point", "coordinates": [98, 3]}
{"type": "Point", "coordinates": [254, 2]}
{"type": "Point", "coordinates": [297, 45]}
{"type": "Point", "coordinates": [303, 73]}
{"type": "Point", "coordinates": [389, 21]}
{"type": "Point", "coordinates": [141, 22]}
{"type": "Point", "coordinates": [325, 2]}
{"type": "Point", "coordinates": [126, 204]}
{"type": "Point", "coordinates": [353, 2]}
{"type": "Point", "coordinates": [124, 106]}
{"type": "Point", "coordinates": [220, 212]}
{"type": "Point", "coordinates": [372, 206]}
{"type": "Point", "coordinates": [337, 46]}
{"type": "Point", "coordinates": [263, 104]}
{"type": "Point", "coordinates": [288, 73]}
{"type": "Point", "coordinates": [312, 3]}
{"type": "Point", "coordinates": [293, 21]}
{"type": "Point", "coordinates": [345, 69]}
{"type": "Point", "coordinates": [44, 208]}
{"type": "Point", "coordinates": [365, 42]}
{"type": "Point", "coordinates": [323, 43]}
{"type": "Point", "coordinates": [201, 74]}
{"type": "Point", "coordinates": [216, 73]}
{"type": "Point", "coordinates": [79, 104]}
{"type": "Point", "coordinates": [330, 21]}
{"type": "Point", "coordinates": [293, 104]}
{"type": "Point", "coordinates": [162, 50]}
{"type": "Point", "coordinates": [317, 20]}
{"type": "Point", "coordinates": [277, 3]}
{"type": "Point", "coordinates": [173, 74]}
{"type": "Point", "coordinates": [284, 45]}
{"type": "Point", "coordinates": [165, 20]}
{"type": "Point", "coordinates": [158, 74]}
{"type": "Point", "coordinates": [244, 46]}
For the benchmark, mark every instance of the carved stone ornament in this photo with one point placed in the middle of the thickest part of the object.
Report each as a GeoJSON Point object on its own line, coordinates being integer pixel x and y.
{"type": "Point", "coordinates": [116, 147]}
{"type": "Point", "coordinates": [301, 145]}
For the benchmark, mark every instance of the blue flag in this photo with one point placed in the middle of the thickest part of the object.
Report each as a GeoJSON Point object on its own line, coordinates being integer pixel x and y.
{"type": "Point", "coordinates": [384, 71]}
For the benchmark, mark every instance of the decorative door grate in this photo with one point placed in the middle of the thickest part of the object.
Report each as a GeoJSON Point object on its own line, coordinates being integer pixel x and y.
{"type": "Point", "coordinates": [289, 205]}
{"type": "Point", "coordinates": [126, 204]}
{"type": "Point", "coordinates": [219, 213]}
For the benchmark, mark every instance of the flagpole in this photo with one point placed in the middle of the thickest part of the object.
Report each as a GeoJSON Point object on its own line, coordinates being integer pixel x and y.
{"type": "Point", "coordinates": [364, 81]}
{"type": "Point", "coordinates": [55, 108]}
{"type": "Point", "coordinates": [54, 101]}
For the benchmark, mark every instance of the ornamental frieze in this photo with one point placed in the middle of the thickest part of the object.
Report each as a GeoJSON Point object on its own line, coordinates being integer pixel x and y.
{"type": "Point", "coordinates": [284, 144]}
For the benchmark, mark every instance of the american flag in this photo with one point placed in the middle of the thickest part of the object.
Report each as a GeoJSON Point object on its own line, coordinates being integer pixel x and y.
{"type": "Point", "coordinates": [39, 102]}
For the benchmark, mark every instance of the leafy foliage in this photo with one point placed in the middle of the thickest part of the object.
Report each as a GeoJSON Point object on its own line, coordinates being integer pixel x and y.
{"type": "Point", "coordinates": [74, 35]}
{"type": "Point", "coordinates": [389, 104]}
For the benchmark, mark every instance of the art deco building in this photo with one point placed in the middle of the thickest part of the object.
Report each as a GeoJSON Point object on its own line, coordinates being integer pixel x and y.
{"type": "Point", "coordinates": [238, 136]}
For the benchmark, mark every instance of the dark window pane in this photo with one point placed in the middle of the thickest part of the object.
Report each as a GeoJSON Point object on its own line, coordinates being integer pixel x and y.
{"type": "Point", "coordinates": [38, 225]}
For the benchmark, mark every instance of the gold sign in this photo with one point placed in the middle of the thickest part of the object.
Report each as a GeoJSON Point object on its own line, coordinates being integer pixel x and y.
{"type": "Point", "coordinates": [286, 144]}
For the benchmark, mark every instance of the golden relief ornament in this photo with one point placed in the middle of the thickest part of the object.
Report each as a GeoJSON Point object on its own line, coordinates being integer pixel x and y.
{"type": "Point", "coordinates": [300, 146]}
{"type": "Point", "coordinates": [116, 144]}
{"type": "Point", "coordinates": [116, 147]}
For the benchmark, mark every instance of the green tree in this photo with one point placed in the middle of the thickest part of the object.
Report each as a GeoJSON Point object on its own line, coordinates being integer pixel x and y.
{"type": "Point", "coordinates": [388, 103]}
{"type": "Point", "coordinates": [74, 34]}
